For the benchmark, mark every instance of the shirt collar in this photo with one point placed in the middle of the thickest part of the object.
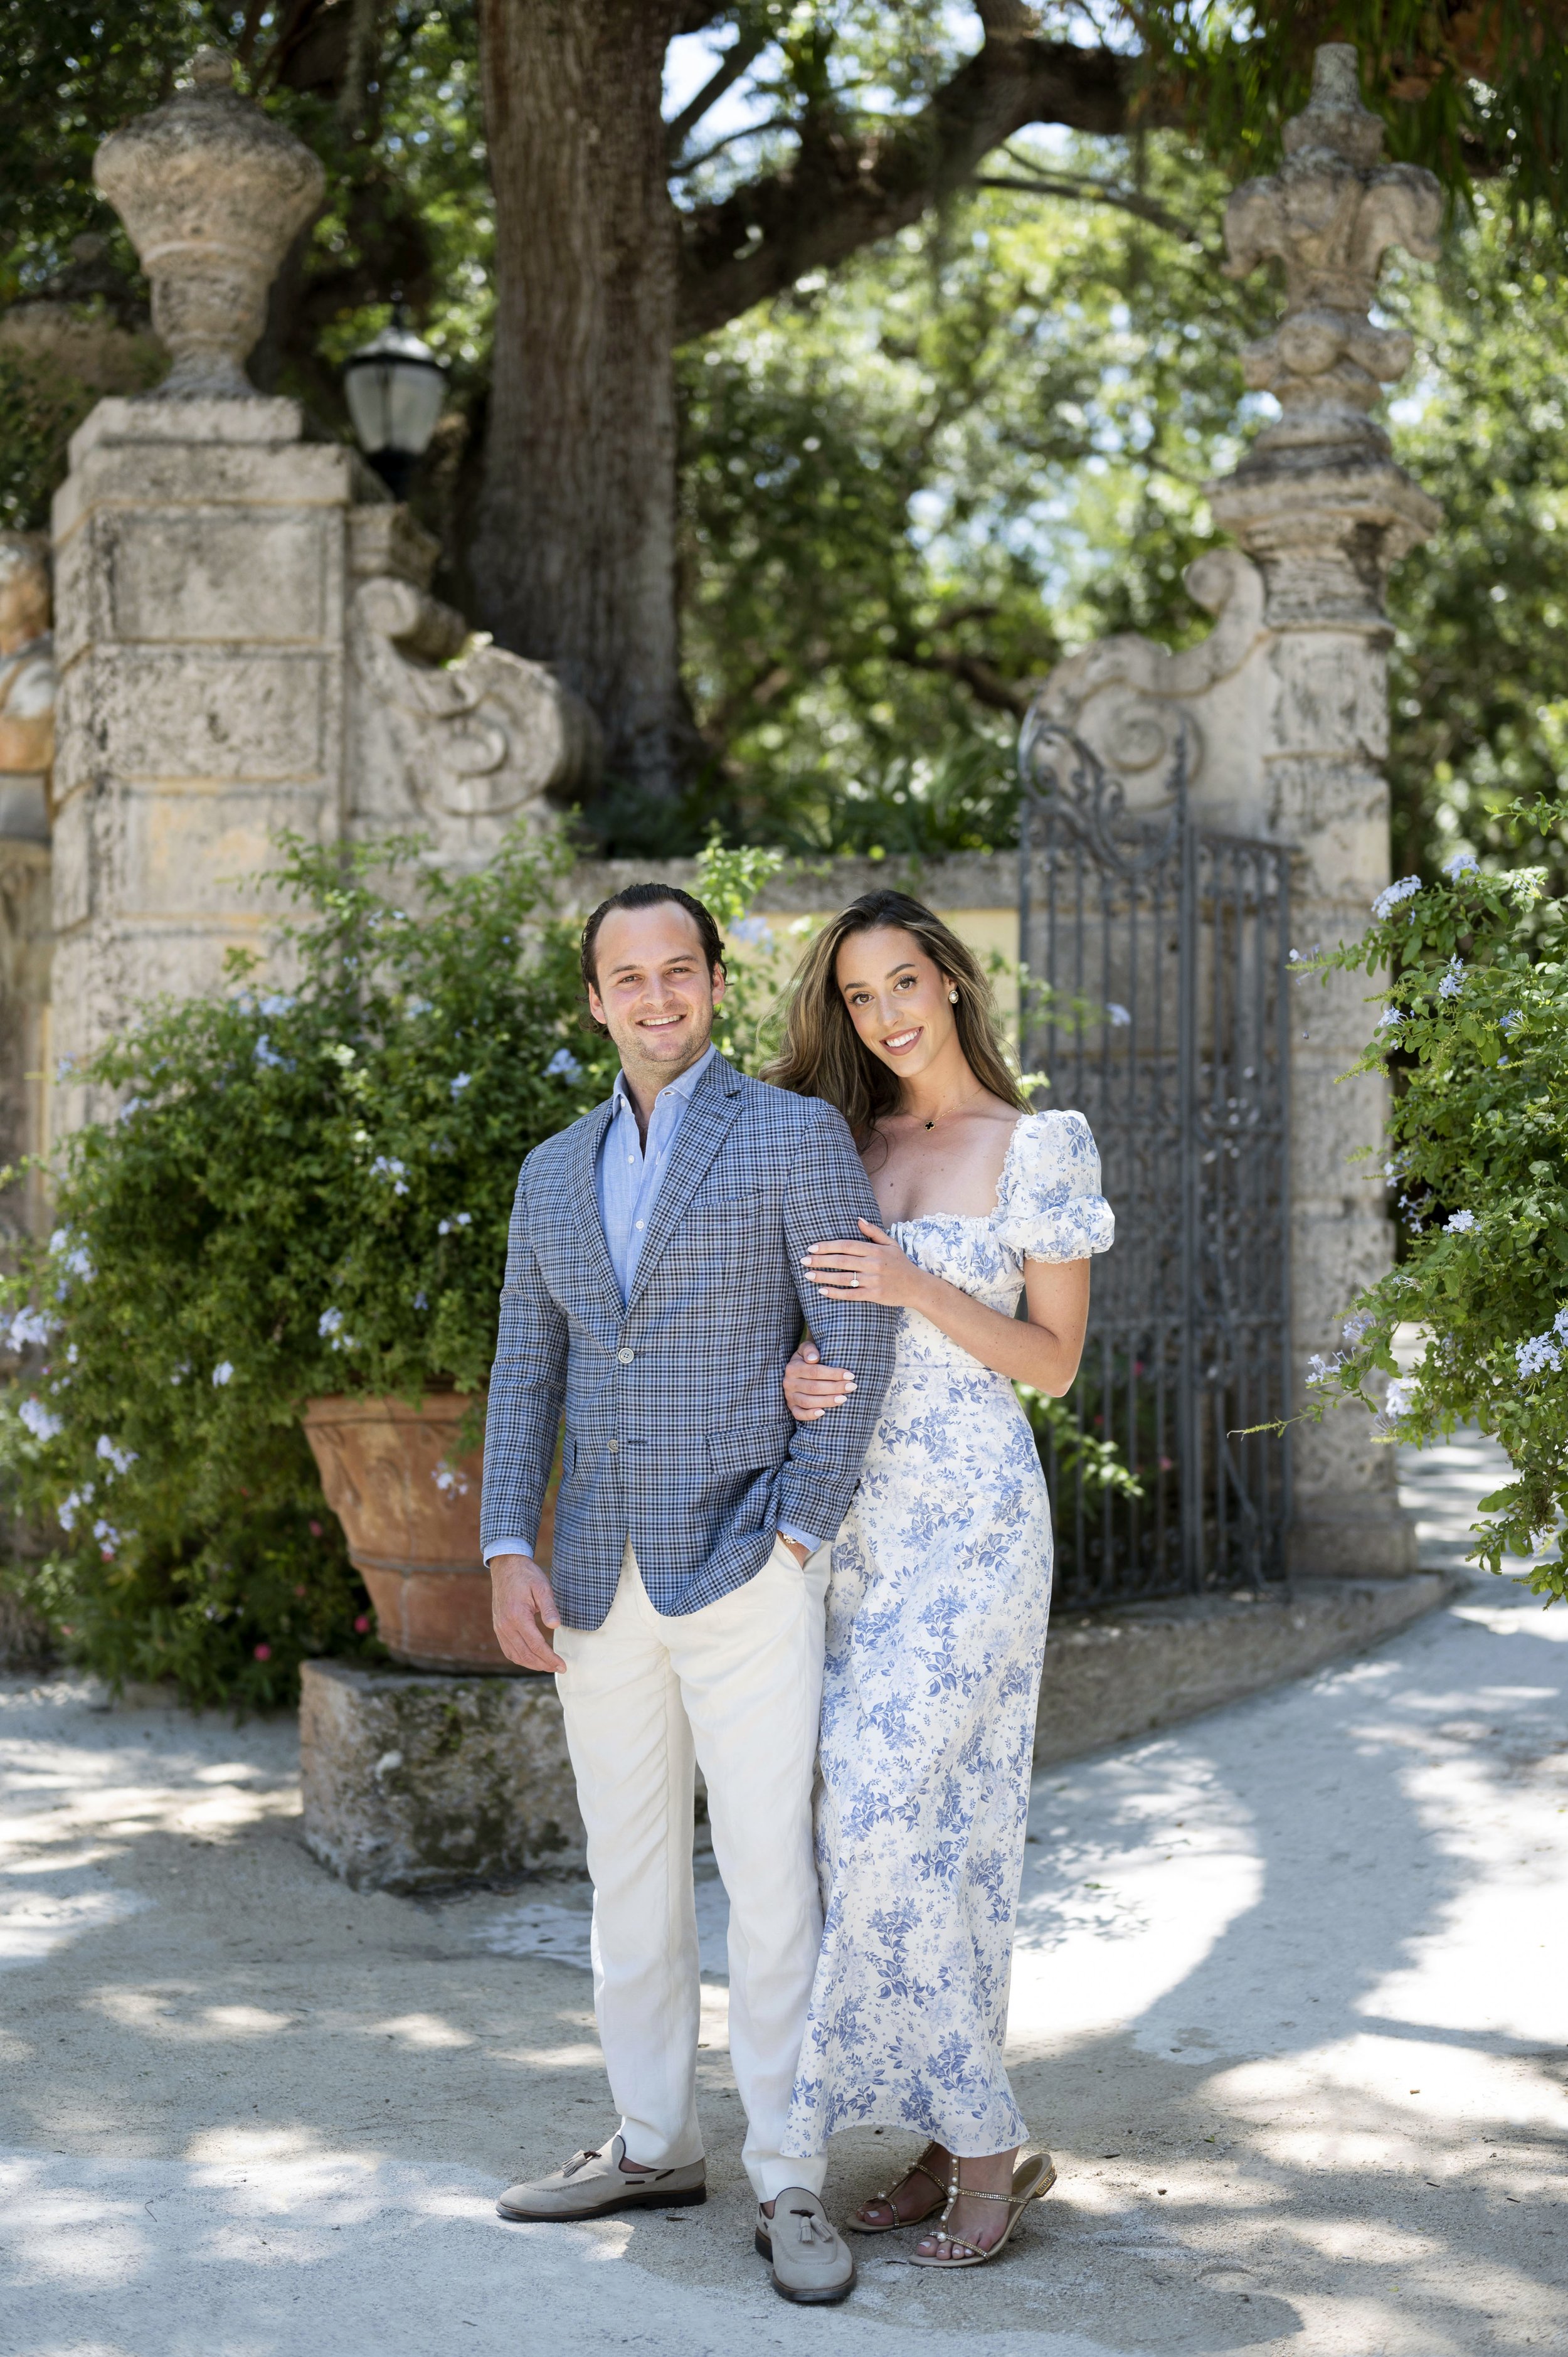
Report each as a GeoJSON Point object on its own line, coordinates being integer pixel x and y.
{"type": "Point", "coordinates": [682, 1088]}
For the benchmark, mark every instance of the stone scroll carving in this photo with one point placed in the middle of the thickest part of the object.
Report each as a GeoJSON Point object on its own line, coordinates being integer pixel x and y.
{"type": "Point", "coordinates": [463, 744]}
{"type": "Point", "coordinates": [1132, 701]}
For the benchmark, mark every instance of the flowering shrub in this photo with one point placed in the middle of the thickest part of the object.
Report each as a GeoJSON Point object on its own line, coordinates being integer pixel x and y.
{"type": "Point", "coordinates": [1477, 1007]}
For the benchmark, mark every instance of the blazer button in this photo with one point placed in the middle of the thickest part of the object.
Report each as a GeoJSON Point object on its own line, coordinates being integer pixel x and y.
{"type": "Point", "coordinates": [613, 1446]}
{"type": "Point", "coordinates": [626, 1354]}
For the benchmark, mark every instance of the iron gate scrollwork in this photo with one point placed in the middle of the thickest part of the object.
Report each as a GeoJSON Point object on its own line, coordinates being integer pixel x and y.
{"type": "Point", "coordinates": [1156, 981]}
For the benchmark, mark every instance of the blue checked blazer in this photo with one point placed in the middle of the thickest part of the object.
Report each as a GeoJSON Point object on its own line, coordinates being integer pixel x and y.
{"type": "Point", "coordinates": [677, 1434]}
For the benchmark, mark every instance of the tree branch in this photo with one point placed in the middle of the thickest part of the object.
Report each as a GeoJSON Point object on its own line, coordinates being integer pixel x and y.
{"type": "Point", "coordinates": [977, 673]}
{"type": "Point", "coordinates": [841, 192]}
{"type": "Point", "coordinates": [1081, 189]}
{"type": "Point", "coordinates": [747, 131]}
{"type": "Point", "coordinates": [732, 65]}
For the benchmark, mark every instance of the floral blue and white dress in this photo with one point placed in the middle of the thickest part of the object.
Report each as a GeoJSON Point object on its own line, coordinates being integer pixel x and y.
{"type": "Point", "coordinates": [937, 1612]}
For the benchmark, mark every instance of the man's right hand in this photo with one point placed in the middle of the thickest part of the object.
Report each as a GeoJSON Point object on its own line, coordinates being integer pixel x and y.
{"type": "Point", "coordinates": [523, 1605]}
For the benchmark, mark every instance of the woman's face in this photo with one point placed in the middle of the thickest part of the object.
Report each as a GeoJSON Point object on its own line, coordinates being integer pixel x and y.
{"type": "Point", "coordinates": [897, 998]}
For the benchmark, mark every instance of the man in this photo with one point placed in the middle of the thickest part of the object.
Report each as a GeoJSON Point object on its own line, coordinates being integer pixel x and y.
{"type": "Point", "coordinates": [654, 1286]}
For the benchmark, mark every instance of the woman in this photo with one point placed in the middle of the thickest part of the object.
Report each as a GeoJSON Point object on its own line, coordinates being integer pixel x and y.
{"type": "Point", "coordinates": [941, 1582]}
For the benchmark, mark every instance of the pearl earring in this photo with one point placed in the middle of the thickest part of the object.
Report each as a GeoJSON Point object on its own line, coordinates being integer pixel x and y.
{"type": "Point", "coordinates": [953, 996]}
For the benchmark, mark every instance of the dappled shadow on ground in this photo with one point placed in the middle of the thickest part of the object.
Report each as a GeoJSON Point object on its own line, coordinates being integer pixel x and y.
{"type": "Point", "coordinates": [1281, 2007]}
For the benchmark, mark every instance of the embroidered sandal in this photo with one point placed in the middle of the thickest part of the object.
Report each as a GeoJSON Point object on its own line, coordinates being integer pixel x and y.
{"type": "Point", "coordinates": [895, 2225]}
{"type": "Point", "coordinates": [1032, 2180]}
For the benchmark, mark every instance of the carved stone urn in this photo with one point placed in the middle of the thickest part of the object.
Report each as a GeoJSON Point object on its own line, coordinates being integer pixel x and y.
{"type": "Point", "coordinates": [212, 194]}
{"type": "Point", "coordinates": [410, 1510]}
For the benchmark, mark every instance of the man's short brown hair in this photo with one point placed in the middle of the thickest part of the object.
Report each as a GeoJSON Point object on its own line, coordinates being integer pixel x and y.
{"type": "Point", "coordinates": [647, 896]}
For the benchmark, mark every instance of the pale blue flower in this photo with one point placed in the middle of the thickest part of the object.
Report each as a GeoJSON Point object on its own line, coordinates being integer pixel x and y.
{"type": "Point", "coordinates": [1400, 1399]}
{"type": "Point", "coordinates": [1361, 1321]}
{"type": "Point", "coordinates": [1460, 1223]}
{"type": "Point", "coordinates": [31, 1326]}
{"type": "Point", "coordinates": [460, 1083]}
{"type": "Point", "coordinates": [417, 1005]}
{"type": "Point", "coordinates": [1117, 1016]}
{"type": "Point", "coordinates": [387, 1166]}
{"type": "Point", "coordinates": [122, 1459]}
{"type": "Point", "coordinates": [330, 1322]}
{"type": "Point", "coordinates": [267, 1055]}
{"type": "Point", "coordinates": [278, 1003]}
{"type": "Point", "coordinates": [1453, 982]}
{"type": "Point", "coordinates": [562, 1066]}
{"type": "Point", "coordinates": [420, 1302]}
{"type": "Point", "coordinates": [40, 1421]}
{"type": "Point", "coordinates": [1391, 895]}
{"type": "Point", "coordinates": [1463, 863]}
{"type": "Point", "coordinates": [1535, 1357]}
{"type": "Point", "coordinates": [1390, 1019]}
{"type": "Point", "coordinates": [754, 930]}
{"type": "Point", "coordinates": [223, 1373]}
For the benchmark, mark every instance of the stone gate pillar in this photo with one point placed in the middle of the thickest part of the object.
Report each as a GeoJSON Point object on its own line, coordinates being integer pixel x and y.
{"type": "Point", "coordinates": [1285, 709]}
{"type": "Point", "coordinates": [1320, 506]}
{"type": "Point", "coordinates": [244, 632]}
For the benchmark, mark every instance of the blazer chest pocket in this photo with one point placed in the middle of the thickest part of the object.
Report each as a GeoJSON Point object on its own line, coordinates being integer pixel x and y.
{"type": "Point", "coordinates": [748, 1449]}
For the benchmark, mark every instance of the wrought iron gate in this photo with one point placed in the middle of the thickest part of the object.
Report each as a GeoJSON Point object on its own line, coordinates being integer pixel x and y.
{"type": "Point", "coordinates": [1156, 978]}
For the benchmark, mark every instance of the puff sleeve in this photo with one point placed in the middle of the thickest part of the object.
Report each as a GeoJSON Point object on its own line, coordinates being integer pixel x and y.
{"type": "Point", "coordinates": [1051, 1207]}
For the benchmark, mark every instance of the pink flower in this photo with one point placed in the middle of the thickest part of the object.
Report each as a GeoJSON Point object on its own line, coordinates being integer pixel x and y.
{"type": "Point", "coordinates": [300, 1589]}
{"type": "Point", "coordinates": [264, 1653]}
{"type": "Point", "coordinates": [361, 1625]}
{"type": "Point", "coordinates": [316, 1529]}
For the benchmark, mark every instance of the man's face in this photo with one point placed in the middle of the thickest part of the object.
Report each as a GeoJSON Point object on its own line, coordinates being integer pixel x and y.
{"type": "Point", "coordinates": [655, 994]}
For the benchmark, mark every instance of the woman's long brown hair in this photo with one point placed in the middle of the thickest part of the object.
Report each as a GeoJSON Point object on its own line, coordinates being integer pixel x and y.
{"type": "Point", "coordinates": [822, 1055]}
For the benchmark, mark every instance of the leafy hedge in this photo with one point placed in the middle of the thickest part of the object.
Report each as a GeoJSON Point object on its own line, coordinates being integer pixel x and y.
{"type": "Point", "coordinates": [1475, 1022]}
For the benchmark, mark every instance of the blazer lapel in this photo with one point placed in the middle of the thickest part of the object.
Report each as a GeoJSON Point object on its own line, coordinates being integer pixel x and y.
{"type": "Point", "coordinates": [583, 1196]}
{"type": "Point", "coordinates": [703, 1127]}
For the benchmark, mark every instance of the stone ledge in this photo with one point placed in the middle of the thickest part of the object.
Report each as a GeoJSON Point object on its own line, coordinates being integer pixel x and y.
{"type": "Point", "coordinates": [1108, 1676]}
{"type": "Point", "coordinates": [980, 880]}
{"type": "Point", "coordinates": [419, 1783]}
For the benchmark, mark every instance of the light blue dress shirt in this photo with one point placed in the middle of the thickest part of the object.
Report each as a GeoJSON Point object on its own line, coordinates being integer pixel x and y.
{"type": "Point", "coordinates": [626, 1180]}
{"type": "Point", "coordinates": [629, 1173]}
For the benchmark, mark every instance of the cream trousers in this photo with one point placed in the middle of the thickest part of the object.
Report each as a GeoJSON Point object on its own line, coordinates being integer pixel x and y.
{"type": "Point", "coordinates": [738, 1687]}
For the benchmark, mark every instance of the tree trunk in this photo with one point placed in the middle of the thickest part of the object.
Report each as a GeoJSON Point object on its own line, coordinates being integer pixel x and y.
{"type": "Point", "coordinates": [574, 562]}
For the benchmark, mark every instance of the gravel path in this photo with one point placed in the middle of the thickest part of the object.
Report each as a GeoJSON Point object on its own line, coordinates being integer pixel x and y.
{"type": "Point", "coordinates": [1288, 2008]}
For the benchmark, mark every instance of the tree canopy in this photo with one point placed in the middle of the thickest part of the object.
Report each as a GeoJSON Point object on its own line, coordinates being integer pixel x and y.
{"type": "Point", "coordinates": [953, 354]}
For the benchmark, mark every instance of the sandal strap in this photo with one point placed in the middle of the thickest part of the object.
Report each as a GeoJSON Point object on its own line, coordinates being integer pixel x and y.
{"type": "Point", "coordinates": [957, 2242]}
{"type": "Point", "coordinates": [915, 2168]}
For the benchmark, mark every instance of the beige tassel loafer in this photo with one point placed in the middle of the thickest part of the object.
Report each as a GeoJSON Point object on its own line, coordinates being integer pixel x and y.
{"type": "Point", "coordinates": [593, 2185]}
{"type": "Point", "coordinates": [810, 2261]}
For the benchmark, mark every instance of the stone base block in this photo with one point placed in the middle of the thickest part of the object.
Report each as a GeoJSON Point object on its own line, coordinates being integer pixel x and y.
{"type": "Point", "coordinates": [414, 1781]}
{"type": "Point", "coordinates": [1324, 1546]}
{"type": "Point", "coordinates": [1111, 1676]}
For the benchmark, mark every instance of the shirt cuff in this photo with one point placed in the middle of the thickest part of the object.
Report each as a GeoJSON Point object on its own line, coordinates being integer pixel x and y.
{"type": "Point", "coordinates": [788, 1531]}
{"type": "Point", "coordinates": [509, 1546]}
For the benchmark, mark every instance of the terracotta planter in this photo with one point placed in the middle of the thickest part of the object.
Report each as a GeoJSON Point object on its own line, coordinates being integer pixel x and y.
{"type": "Point", "coordinates": [413, 1539]}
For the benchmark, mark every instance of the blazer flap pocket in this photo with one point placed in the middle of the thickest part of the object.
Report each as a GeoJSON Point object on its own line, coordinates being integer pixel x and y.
{"type": "Point", "coordinates": [748, 1449]}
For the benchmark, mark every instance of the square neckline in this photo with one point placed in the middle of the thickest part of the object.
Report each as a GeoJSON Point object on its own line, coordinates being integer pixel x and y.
{"type": "Point", "coordinates": [974, 1219]}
